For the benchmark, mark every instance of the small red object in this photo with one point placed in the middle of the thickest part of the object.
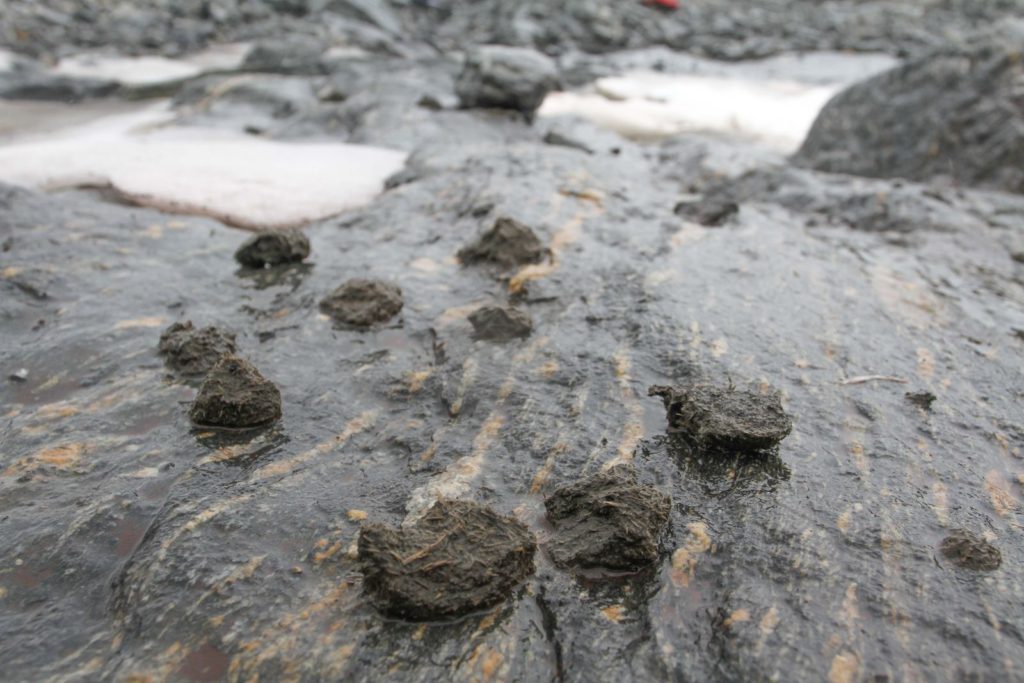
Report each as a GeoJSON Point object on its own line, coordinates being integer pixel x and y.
{"type": "Point", "coordinates": [667, 4]}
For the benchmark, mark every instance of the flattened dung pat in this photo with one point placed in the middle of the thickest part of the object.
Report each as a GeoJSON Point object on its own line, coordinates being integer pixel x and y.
{"type": "Point", "coordinates": [607, 520]}
{"type": "Point", "coordinates": [363, 303]}
{"type": "Point", "coordinates": [190, 351]}
{"type": "Point", "coordinates": [509, 243]}
{"type": "Point", "coordinates": [459, 557]}
{"type": "Point", "coordinates": [730, 419]}
{"type": "Point", "coordinates": [494, 323]}
{"type": "Point", "coordinates": [273, 248]}
{"type": "Point", "coordinates": [235, 395]}
{"type": "Point", "coordinates": [968, 551]}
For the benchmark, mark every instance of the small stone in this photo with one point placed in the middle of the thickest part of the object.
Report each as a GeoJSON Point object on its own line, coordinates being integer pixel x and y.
{"type": "Point", "coordinates": [729, 419]}
{"type": "Point", "coordinates": [459, 557]}
{"type": "Point", "coordinates": [19, 375]}
{"type": "Point", "coordinates": [235, 395]}
{"type": "Point", "coordinates": [297, 570]}
{"type": "Point", "coordinates": [273, 248]}
{"type": "Point", "coordinates": [607, 520]}
{"type": "Point", "coordinates": [968, 551]}
{"type": "Point", "coordinates": [494, 323]}
{"type": "Point", "coordinates": [506, 77]}
{"type": "Point", "coordinates": [191, 351]}
{"type": "Point", "coordinates": [508, 243]}
{"type": "Point", "coordinates": [362, 303]}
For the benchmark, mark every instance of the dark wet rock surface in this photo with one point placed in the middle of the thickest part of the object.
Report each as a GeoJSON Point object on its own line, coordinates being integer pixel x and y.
{"type": "Point", "coordinates": [192, 351]}
{"type": "Point", "coordinates": [967, 551]}
{"type": "Point", "coordinates": [459, 557]}
{"type": "Point", "coordinates": [137, 545]}
{"type": "Point", "coordinates": [498, 323]}
{"type": "Point", "coordinates": [607, 520]}
{"type": "Point", "coordinates": [235, 395]}
{"type": "Point", "coordinates": [273, 248]}
{"type": "Point", "coordinates": [361, 302]}
{"type": "Point", "coordinates": [507, 243]}
{"type": "Point", "coordinates": [506, 77]}
{"type": "Point", "coordinates": [725, 417]}
{"type": "Point", "coordinates": [952, 114]}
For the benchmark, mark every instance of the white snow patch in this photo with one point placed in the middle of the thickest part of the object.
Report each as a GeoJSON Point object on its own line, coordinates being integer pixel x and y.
{"type": "Point", "coordinates": [239, 179]}
{"type": "Point", "coordinates": [151, 70]}
{"type": "Point", "coordinates": [772, 102]}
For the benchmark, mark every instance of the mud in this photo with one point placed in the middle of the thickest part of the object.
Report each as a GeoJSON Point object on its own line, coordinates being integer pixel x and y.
{"type": "Point", "coordinates": [235, 395]}
{"type": "Point", "coordinates": [607, 520]}
{"type": "Point", "coordinates": [967, 551]}
{"type": "Point", "coordinates": [273, 249]}
{"type": "Point", "coordinates": [725, 418]}
{"type": "Point", "coordinates": [363, 303]}
{"type": "Point", "coordinates": [507, 243]}
{"type": "Point", "coordinates": [458, 558]}
{"type": "Point", "coordinates": [495, 323]}
{"type": "Point", "coordinates": [192, 351]}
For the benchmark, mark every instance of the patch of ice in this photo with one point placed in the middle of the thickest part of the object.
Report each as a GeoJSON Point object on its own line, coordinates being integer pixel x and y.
{"type": "Point", "coordinates": [239, 179]}
{"type": "Point", "coordinates": [773, 102]}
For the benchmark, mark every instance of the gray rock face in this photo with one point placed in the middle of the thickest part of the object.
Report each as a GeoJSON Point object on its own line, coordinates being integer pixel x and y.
{"type": "Point", "coordinates": [273, 248]}
{"type": "Point", "coordinates": [362, 303]}
{"type": "Point", "coordinates": [235, 395]}
{"type": "Point", "coordinates": [495, 323]}
{"type": "Point", "coordinates": [955, 113]}
{"type": "Point", "coordinates": [191, 351]}
{"type": "Point", "coordinates": [506, 77]}
{"type": "Point", "coordinates": [459, 557]}
{"type": "Point", "coordinates": [607, 520]}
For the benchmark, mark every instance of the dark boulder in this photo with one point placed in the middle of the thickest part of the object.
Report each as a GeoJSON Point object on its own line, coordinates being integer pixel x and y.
{"type": "Point", "coordinates": [725, 418]}
{"type": "Point", "coordinates": [362, 303]}
{"type": "Point", "coordinates": [607, 520]}
{"type": "Point", "coordinates": [459, 557]}
{"type": "Point", "coordinates": [191, 351]}
{"type": "Point", "coordinates": [273, 248]}
{"type": "Point", "coordinates": [954, 113]}
{"type": "Point", "coordinates": [235, 395]}
{"type": "Point", "coordinates": [506, 77]}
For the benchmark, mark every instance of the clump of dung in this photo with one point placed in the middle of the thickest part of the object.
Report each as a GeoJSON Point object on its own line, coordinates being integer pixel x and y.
{"type": "Point", "coordinates": [607, 520]}
{"type": "Point", "coordinates": [273, 248]}
{"type": "Point", "coordinates": [190, 351]}
{"type": "Point", "coordinates": [459, 557]}
{"type": "Point", "coordinates": [235, 395]}
{"type": "Point", "coordinates": [968, 551]}
{"type": "Point", "coordinates": [363, 303]}
{"type": "Point", "coordinates": [725, 418]}
{"type": "Point", "coordinates": [712, 210]}
{"type": "Point", "coordinates": [498, 324]}
{"type": "Point", "coordinates": [508, 243]}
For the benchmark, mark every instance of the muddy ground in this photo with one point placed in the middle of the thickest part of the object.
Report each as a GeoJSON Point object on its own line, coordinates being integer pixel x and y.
{"type": "Point", "coordinates": [136, 546]}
